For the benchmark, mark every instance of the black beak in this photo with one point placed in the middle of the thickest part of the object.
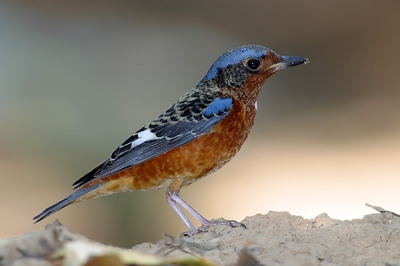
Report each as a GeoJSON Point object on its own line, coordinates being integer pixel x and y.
{"type": "Point", "coordinates": [288, 61]}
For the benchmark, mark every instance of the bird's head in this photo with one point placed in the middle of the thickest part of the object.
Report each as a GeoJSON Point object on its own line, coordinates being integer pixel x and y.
{"type": "Point", "coordinates": [246, 68]}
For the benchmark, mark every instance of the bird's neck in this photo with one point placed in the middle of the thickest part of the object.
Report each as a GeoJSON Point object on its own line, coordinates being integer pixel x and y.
{"type": "Point", "coordinates": [247, 94]}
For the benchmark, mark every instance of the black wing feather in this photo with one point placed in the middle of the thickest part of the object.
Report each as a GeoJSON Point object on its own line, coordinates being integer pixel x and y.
{"type": "Point", "coordinates": [169, 135]}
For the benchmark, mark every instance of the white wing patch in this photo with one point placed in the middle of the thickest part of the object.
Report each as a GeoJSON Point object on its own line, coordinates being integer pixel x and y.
{"type": "Point", "coordinates": [143, 136]}
{"type": "Point", "coordinates": [255, 105]}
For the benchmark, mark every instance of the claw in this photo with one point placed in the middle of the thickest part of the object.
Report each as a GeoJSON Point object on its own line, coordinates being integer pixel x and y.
{"type": "Point", "coordinates": [206, 225]}
{"type": "Point", "coordinates": [231, 223]}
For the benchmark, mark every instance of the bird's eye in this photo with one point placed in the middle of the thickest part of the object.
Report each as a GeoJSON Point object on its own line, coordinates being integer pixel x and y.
{"type": "Point", "coordinates": [253, 64]}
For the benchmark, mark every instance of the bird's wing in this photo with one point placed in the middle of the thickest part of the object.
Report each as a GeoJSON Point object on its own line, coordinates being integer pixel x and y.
{"type": "Point", "coordinates": [183, 122]}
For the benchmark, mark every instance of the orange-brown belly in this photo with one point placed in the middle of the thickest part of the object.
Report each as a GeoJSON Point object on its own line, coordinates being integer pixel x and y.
{"type": "Point", "coordinates": [185, 164]}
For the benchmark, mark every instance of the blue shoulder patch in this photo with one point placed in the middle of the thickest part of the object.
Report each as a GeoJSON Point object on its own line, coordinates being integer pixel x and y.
{"type": "Point", "coordinates": [218, 105]}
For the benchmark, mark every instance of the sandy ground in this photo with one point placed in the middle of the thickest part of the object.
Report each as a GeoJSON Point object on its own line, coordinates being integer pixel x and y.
{"type": "Point", "coordinates": [277, 238]}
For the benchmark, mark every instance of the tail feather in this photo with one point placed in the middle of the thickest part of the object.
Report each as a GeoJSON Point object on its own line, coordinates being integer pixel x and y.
{"type": "Point", "coordinates": [88, 177]}
{"type": "Point", "coordinates": [65, 202]}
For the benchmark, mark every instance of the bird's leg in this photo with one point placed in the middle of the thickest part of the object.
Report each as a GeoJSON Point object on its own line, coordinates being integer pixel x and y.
{"type": "Point", "coordinates": [173, 198]}
{"type": "Point", "coordinates": [176, 208]}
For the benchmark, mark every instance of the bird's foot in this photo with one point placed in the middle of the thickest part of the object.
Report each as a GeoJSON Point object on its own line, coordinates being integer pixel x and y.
{"type": "Point", "coordinates": [195, 231]}
{"type": "Point", "coordinates": [206, 225]}
{"type": "Point", "coordinates": [222, 221]}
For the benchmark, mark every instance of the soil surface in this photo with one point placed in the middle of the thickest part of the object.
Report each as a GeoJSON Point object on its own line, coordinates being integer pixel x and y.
{"type": "Point", "coordinates": [279, 238]}
{"type": "Point", "coordinates": [276, 238]}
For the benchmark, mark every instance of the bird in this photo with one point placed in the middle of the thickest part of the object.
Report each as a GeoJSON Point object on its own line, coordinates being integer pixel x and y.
{"type": "Point", "coordinates": [194, 137]}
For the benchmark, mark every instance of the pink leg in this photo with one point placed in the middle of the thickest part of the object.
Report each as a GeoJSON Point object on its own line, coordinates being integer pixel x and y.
{"type": "Point", "coordinates": [173, 199]}
{"type": "Point", "coordinates": [176, 208]}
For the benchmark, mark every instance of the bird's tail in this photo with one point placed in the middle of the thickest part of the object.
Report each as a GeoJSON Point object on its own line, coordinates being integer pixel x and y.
{"type": "Point", "coordinates": [67, 201]}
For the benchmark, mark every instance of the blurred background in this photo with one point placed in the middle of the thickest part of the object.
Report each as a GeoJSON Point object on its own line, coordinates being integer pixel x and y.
{"type": "Point", "coordinates": [79, 77]}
